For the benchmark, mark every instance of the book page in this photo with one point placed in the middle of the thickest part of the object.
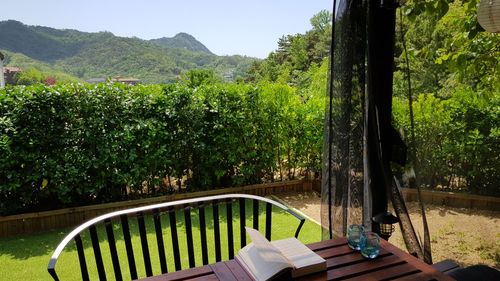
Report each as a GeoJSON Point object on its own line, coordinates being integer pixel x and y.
{"type": "Point", "coordinates": [261, 258]}
{"type": "Point", "coordinates": [303, 259]}
{"type": "Point", "coordinates": [258, 239]}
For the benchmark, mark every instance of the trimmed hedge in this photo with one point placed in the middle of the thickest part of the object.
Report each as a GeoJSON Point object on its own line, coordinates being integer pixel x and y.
{"type": "Point", "coordinates": [76, 144]}
{"type": "Point", "coordinates": [457, 140]}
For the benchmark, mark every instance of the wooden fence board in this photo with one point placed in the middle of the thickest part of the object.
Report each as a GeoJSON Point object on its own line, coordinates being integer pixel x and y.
{"type": "Point", "coordinates": [56, 219]}
{"type": "Point", "coordinates": [450, 199]}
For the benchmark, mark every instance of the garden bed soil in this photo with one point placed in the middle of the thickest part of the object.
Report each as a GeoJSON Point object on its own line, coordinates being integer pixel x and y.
{"type": "Point", "coordinates": [467, 236]}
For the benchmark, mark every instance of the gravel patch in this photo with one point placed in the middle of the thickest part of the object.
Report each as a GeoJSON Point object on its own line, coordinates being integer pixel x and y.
{"type": "Point", "coordinates": [465, 235]}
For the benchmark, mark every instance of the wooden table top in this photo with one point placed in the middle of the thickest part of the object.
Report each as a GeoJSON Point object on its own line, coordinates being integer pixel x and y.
{"type": "Point", "coordinates": [343, 263]}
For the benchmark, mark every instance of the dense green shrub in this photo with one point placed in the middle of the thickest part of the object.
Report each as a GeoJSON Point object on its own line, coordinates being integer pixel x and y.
{"type": "Point", "coordinates": [78, 144]}
{"type": "Point", "coordinates": [457, 140]}
{"type": "Point", "coordinates": [75, 144]}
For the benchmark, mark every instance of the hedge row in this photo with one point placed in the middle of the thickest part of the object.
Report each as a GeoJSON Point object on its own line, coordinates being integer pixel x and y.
{"type": "Point", "coordinates": [74, 144]}
{"type": "Point", "coordinates": [457, 140]}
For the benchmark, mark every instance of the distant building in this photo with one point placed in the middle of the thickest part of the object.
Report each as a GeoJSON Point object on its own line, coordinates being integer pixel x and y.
{"type": "Point", "coordinates": [9, 73]}
{"type": "Point", "coordinates": [229, 76]}
{"type": "Point", "coordinates": [119, 79]}
{"type": "Point", "coordinates": [125, 80]}
{"type": "Point", "coordinates": [96, 80]}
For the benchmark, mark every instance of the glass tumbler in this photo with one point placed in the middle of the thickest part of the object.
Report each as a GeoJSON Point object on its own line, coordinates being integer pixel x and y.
{"type": "Point", "coordinates": [370, 244]}
{"type": "Point", "coordinates": [354, 233]}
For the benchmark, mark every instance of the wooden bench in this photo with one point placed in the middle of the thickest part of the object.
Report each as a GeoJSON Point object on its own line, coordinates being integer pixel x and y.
{"type": "Point", "coordinates": [234, 205]}
{"type": "Point", "coordinates": [446, 266]}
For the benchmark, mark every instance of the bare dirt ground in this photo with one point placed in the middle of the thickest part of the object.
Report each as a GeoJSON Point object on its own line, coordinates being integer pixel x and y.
{"type": "Point", "coordinates": [464, 235]}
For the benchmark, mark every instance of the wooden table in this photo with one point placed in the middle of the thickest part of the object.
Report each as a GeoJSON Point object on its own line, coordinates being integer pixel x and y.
{"type": "Point", "coordinates": [343, 264]}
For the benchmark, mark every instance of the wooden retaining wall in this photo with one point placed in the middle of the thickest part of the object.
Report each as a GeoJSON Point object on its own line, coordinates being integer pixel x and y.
{"type": "Point", "coordinates": [450, 199]}
{"type": "Point", "coordinates": [44, 221]}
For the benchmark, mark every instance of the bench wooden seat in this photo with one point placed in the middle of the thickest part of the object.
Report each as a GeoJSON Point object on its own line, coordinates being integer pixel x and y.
{"type": "Point", "coordinates": [173, 215]}
{"type": "Point", "coordinates": [446, 266]}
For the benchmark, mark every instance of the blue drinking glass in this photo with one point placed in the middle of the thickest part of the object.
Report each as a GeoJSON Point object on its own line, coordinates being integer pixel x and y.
{"type": "Point", "coordinates": [370, 244]}
{"type": "Point", "coordinates": [354, 233]}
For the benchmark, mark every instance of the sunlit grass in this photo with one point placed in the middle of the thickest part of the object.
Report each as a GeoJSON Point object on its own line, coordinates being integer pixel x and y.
{"type": "Point", "coordinates": [26, 257]}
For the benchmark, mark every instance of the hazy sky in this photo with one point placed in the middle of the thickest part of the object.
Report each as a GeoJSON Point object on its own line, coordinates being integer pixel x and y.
{"type": "Point", "coordinates": [226, 27]}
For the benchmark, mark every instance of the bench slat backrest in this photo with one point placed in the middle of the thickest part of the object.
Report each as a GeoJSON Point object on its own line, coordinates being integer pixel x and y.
{"type": "Point", "coordinates": [159, 241]}
{"type": "Point", "coordinates": [81, 258]}
{"type": "Point", "coordinates": [175, 239]}
{"type": "Point", "coordinates": [97, 252]}
{"type": "Point", "coordinates": [128, 246]}
{"type": "Point", "coordinates": [144, 244]}
{"type": "Point", "coordinates": [229, 224]}
{"type": "Point", "coordinates": [112, 249]}
{"type": "Point", "coordinates": [149, 220]}
{"type": "Point", "coordinates": [203, 234]}
{"type": "Point", "coordinates": [189, 236]}
{"type": "Point", "coordinates": [243, 236]}
{"type": "Point", "coordinates": [255, 214]}
{"type": "Point", "coordinates": [218, 250]}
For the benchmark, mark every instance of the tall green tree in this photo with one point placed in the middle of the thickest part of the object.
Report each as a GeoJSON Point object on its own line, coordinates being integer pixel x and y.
{"type": "Point", "coordinates": [296, 54]}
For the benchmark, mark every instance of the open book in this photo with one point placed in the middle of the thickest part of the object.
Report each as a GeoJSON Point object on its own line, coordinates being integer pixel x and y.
{"type": "Point", "coordinates": [279, 259]}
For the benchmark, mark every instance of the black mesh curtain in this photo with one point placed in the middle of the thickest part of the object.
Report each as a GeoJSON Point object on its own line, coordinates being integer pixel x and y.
{"type": "Point", "coordinates": [360, 141]}
{"type": "Point", "coordinates": [345, 195]}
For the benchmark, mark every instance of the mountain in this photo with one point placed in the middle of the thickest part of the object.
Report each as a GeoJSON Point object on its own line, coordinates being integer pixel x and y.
{"type": "Point", "coordinates": [182, 41]}
{"type": "Point", "coordinates": [87, 55]}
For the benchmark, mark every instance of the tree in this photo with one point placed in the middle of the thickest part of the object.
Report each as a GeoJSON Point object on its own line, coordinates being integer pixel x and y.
{"type": "Point", "coordinates": [197, 77]}
{"type": "Point", "coordinates": [296, 54]}
{"type": "Point", "coordinates": [321, 21]}
{"type": "Point", "coordinates": [454, 67]}
{"type": "Point", "coordinates": [447, 44]}
{"type": "Point", "coordinates": [29, 76]}
{"type": "Point", "coordinates": [49, 81]}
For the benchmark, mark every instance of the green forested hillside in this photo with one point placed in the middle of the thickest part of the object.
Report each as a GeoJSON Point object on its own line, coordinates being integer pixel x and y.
{"type": "Point", "coordinates": [182, 41]}
{"type": "Point", "coordinates": [37, 70]}
{"type": "Point", "coordinates": [86, 55]}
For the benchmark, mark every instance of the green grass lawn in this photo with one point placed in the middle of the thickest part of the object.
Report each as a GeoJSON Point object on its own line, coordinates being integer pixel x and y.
{"type": "Point", "coordinates": [26, 257]}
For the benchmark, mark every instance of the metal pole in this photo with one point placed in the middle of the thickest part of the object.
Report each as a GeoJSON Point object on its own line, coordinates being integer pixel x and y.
{"type": "Point", "coordinates": [330, 122]}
